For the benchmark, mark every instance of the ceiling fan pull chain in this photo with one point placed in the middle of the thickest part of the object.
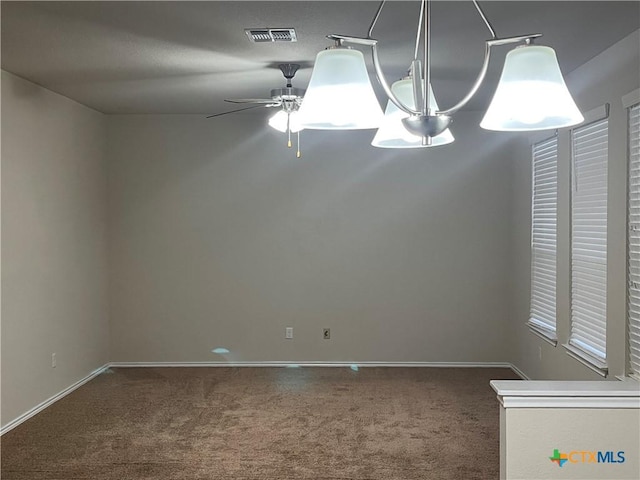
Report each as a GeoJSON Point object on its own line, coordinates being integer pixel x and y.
{"type": "Point", "coordinates": [289, 129]}
{"type": "Point", "coordinates": [298, 153]}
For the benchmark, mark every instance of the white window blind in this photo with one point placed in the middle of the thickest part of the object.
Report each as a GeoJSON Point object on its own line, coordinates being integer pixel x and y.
{"type": "Point", "coordinates": [543, 236]}
{"type": "Point", "coordinates": [589, 241]}
{"type": "Point", "coordinates": [634, 241]}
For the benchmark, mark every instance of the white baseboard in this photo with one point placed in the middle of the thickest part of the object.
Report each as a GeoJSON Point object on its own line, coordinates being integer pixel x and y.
{"type": "Point", "coordinates": [314, 364]}
{"type": "Point", "coordinates": [38, 408]}
{"type": "Point", "coordinates": [518, 372]}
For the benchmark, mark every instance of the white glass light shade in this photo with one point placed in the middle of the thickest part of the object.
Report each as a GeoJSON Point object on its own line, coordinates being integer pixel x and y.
{"type": "Point", "coordinates": [531, 94]}
{"type": "Point", "coordinates": [340, 95]}
{"type": "Point", "coordinates": [392, 133]}
{"type": "Point", "coordinates": [279, 121]}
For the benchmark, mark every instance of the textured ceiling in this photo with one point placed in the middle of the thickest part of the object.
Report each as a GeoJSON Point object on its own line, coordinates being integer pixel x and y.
{"type": "Point", "coordinates": [186, 57]}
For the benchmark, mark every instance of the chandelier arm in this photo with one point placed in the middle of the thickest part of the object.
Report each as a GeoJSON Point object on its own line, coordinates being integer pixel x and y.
{"type": "Point", "coordinates": [508, 40]}
{"type": "Point", "coordinates": [479, 79]}
{"type": "Point", "coordinates": [416, 82]}
{"type": "Point", "coordinates": [373, 43]}
{"type": "Point", "coordinates": [485, 65]}
{"type": "Point", "coordinates": [426, 107]}
{"type": "Point", "coordinates": [375, 18]}
{"type": "Point", "coordinates": [369, 42]}
{"type": "Point", "coordinates": [415, 51]}
{"type": "Point", "coordinates": [385, 85]}
{"type": "Point", "coordinates": [484, 18]}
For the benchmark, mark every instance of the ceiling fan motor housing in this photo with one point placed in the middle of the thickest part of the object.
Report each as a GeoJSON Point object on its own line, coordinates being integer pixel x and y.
{"type": "Point", "coordinates": [289, 69]}
{"type": "Point", "coordinates": [287, 93]}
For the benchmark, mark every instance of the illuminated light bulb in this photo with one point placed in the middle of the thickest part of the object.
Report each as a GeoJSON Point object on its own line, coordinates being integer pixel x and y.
{"type": "Point", "coordinates": [282, 119]}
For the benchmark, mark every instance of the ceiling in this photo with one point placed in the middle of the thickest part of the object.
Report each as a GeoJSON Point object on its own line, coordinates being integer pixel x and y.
{"type": "Point", "coordinates": [154, 57]}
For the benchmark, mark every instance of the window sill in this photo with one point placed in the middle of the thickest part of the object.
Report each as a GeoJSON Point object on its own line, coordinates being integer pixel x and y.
{"type": "Point", "coordinates": [587, 360]}
{"type": "Point", "coordinates": [546, 335]}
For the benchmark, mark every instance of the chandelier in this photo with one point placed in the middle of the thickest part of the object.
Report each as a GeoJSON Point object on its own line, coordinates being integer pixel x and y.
{"type": "Point", "coordinates": [531, 94]}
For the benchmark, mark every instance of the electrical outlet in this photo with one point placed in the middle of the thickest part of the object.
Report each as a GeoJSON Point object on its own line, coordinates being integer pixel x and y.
{"type": "Point", "coordinates": [288, 332]}
{"type": "Point", "coordinates": [326, 333]}
{"type": "Point", "coordinates": [53, 360]}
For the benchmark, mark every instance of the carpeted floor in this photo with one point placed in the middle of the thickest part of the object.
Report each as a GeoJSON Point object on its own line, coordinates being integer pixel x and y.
{"type": "Point", "coordinates": [267, 424]}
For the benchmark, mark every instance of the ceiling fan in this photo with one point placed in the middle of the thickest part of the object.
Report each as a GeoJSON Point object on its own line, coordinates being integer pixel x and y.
{"type": "Point", "coordinates": [288, 98]}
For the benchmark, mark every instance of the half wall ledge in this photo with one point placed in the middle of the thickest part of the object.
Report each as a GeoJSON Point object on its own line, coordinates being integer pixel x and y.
{"type": "Point", "coordinates": [569, 429]}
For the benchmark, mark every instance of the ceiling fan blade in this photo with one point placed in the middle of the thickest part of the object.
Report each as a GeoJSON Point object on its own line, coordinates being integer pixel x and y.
{"type": "Point", "coordinates": [250, 100]}
{"type": "Point", "coordinates": [234, 111]}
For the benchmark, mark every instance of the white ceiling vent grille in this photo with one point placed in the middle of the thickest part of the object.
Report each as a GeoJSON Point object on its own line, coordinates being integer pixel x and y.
{"type": "Point", "coordinates": [262, 35]}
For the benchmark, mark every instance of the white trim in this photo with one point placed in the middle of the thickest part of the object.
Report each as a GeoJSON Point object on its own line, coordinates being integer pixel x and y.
{"type": "Point", "coordinates": [569, 402]}
{"type": "Point", "coordinates": [314, 364]}
{"type": "Point", "coordinates": [519, 372]}
{"type": "Point", "coordinates": [566, 394]}
{"type": "Point", "coordinates": [594, 115]}
{"type": "Point", "coordinates": [565, 388]}
{"type": "Point", "coordinates": [587, 360]}
{"type": "Point", "coordinates": [38, 408]}
{"type": "Point", "coordinates": [631, 98]}
{"type": "Point", "coordinates": [546, 335]}
{"type": "Point", "coordinates": [541, 136]}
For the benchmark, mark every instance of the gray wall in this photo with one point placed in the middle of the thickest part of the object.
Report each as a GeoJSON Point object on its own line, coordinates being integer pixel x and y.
{"type": "Point", "coordinates": [604, 79]}
{"type": "Point", "coordinates": [220, 237]}
{"type": "Point", "coordinates": [54, 281]}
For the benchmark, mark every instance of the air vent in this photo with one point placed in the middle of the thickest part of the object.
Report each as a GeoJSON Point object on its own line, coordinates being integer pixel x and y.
{"type": "Point", "coordinates": [261, 35]}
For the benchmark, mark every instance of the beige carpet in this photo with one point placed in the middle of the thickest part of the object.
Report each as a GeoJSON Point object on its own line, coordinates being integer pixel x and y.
{"type": "Point", "coordinates": [265, 423]}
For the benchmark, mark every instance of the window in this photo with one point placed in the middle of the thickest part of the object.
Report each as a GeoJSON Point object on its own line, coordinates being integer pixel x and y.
{"type": "Point", "coordinates": [542, 318]}
{"type": "Point", "coordinates": [589, 155]}
{"type": "Point", "coordinates": [633, 261]}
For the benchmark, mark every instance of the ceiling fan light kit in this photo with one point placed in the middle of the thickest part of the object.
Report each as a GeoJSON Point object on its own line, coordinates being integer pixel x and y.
{"type": "Point", "coordinates": [288, 98]}
{"type": "Point", "coordinates": [283, 121]}
{"type": "Point", "coordinates": [531, 94]}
